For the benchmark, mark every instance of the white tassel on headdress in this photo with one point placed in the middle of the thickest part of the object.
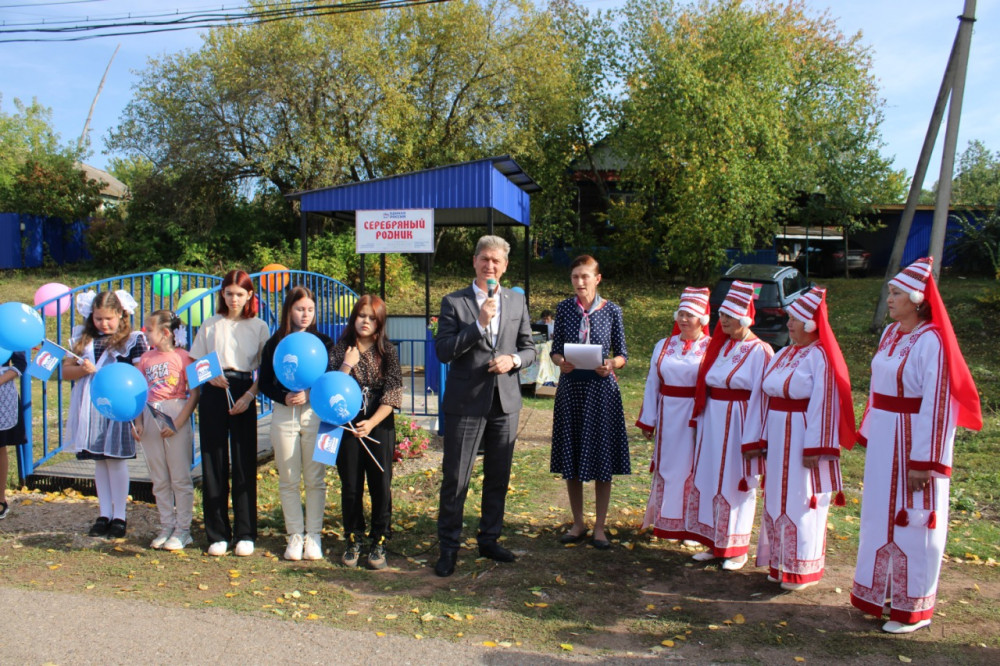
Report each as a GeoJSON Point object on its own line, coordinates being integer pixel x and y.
{"type": "Point", "coordinates": [917, 297]}
{"type": "Point", "coordinates": [810, 326]}
{"type": "Point", "coordinates": [704, 319]}
{"type": "Point", "coordinates": [745, 321]}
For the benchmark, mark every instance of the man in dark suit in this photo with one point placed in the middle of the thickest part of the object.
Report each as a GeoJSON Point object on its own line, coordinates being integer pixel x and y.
{"type": "Point", "coordinates": [484, 332]}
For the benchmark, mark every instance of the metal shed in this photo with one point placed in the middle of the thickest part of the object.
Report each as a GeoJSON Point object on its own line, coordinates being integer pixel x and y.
{"type": "Point", "coordinates": [490, 192]}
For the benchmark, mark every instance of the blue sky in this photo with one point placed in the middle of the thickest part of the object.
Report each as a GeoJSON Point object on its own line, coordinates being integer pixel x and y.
{"type": "Point", "coordinates": [910, 40]}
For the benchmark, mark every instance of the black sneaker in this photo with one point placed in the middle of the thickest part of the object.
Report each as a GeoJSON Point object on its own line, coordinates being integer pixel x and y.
{"type": "Point", "coordinates": [4, 510]}
{"type": "Point", "coordinates": [100, 528]}
{"type": "Point", "coordinates": [353, 552]}
{"type": "Point", "coordinates": [117, 529]}
{"type": "Point", "coordinates": [376, 556]}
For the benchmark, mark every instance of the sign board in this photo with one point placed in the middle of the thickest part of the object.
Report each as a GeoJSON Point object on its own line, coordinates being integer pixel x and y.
{"type": "Point", "coordinates": [394, 231]}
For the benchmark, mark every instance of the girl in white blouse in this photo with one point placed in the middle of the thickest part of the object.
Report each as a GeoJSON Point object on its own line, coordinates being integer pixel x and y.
{"type": "Point", "coordinates": [228, 430]}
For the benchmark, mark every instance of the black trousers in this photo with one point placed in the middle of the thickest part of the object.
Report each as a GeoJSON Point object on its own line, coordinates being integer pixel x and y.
{"type": "Point", "coordinates": [462, 437]}
{"type": "Point", "coordinates": [228, 441]}
{"type": "Point", "coordinates": [354, 465]}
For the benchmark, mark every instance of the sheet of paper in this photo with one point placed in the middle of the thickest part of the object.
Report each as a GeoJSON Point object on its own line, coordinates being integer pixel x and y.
{"type": "Point", "coordinates": [584, 357]}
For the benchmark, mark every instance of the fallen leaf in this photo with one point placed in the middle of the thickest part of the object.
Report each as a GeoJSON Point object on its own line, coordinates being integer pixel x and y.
{"type": "Point", "coordinates": [667, 643]}
{"type": "Point", "coordinates": [566, 646]}
{"type": "Point", "coordinates": [202, 587]}
{"type": "Point", "coordinates": [380, 634]}
{"type": "Point", "coordinates": [312, 616]}
{"type": "Point", "coordinates": [800, 659]}
{"type": "Point", "coordinates": [391, 617]}
{"type": "Point", "coordinates": [905, 659]}
{"type": "Point", "coordinates": [650, 607]}
{"type": "Point", "coordinates": [739, 619]}
{"type": "Point", "coordinates": [489, 644]}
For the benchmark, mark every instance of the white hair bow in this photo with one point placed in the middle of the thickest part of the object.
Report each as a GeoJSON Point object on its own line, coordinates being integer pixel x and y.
{"type": "Point", "coordinates": [128, 303]}
{"type": "Point", "coordinates": [85, 302]}
{"type": "Point", "coordinates": [180, 336]}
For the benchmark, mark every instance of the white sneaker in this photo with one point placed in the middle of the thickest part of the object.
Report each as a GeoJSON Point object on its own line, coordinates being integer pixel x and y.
{"type": "Point", "coordinates": [218, 549]}
{"type": "Point", "coordinates": [243, 548]}
{"type": "Point", "coordinates": [161, 538]}
{"type": "Point", "coordinates": [294, 551]}
{"type": "Point", "coordinates": [771, 579]}
{"type": "Point", "coordinates": [792, 587]}
{"type": "Point", "coordinates": [894, 627]}
{"type": "Point", "coordinates": [735, 563]}
{"type": "Point", "coordinates": [703, 556]}
{"type": "Point", "coordinates": [313, 549]}
{"type": "Point", "coordinates": [178, 540]}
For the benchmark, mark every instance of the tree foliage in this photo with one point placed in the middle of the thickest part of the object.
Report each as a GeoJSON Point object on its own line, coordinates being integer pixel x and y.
{"type": "Point", "coordinates": [37, 175]}
{"type": "Point", "coordinates": [977, 182]}
{"type": "Point", "coordinates": [737, 109]}
{"type": "Point", "coordinates": [325, 100]}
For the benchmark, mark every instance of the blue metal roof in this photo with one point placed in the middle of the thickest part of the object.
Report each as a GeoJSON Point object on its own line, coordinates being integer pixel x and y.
{"type": "Point", "coordinates": [460, 194]}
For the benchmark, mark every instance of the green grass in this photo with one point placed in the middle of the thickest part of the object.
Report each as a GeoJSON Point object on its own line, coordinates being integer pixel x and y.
{"type": "Point", "coordinates": [646, 592]}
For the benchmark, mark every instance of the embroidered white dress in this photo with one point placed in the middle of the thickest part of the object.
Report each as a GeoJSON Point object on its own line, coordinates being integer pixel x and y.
{"type": "Point", "coordinates": [800, 413]}
{"type": "Point", "coordinates": [909, 423]}
{"type": "Point", "coordinates": [719, 514]}
{"type": "Point", "coordinates": [666, 410]}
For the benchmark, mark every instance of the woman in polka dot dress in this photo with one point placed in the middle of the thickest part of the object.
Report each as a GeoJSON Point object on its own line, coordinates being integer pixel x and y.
{"type": "Point", "coordinates": [589, 442]}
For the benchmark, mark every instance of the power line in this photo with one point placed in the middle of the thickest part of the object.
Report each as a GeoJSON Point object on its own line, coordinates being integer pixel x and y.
{"type": "Point", "coordinates": [48, 4]}
{"type": "Point", "coordinates": [141, 25]}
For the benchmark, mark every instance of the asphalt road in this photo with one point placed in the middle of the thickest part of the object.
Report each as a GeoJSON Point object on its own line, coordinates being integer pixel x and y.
{"type": "Point", "coordinates": [42, 627]}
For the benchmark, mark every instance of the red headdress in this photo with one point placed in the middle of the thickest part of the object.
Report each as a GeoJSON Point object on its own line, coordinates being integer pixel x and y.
{"type": "Point", "coordinates": [738, 304]}
{"type": "Point", "coordinates": [917, 280]}
{"type": "Point", "coordinates": [810, 308]}
{"type": "Point", "coordinates": [694, 300]}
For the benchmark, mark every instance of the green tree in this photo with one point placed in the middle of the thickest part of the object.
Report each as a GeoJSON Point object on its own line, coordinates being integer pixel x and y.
{"type": "Point", "coordinates": [978, 180]}
{"type": "Point", "coordinates": [37, 175]}
{"type": "Point", "coordinates": [326, 100]}
{"type": "Point", "coordinates": [735, 110]}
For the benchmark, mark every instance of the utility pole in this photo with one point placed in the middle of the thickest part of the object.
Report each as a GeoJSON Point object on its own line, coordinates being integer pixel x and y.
{"type": "Point", "coordinates": [90, 114]}
{"type": "Point", "coordinates": [958, 61]}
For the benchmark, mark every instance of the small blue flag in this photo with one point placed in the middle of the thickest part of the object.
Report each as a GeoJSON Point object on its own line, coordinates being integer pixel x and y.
{"type": "Point", "coordinates": [46, 361]}
{"type": "Point", "coordinates": [204, 369]}
{"type": "Point", "coordinates": [327, 443]}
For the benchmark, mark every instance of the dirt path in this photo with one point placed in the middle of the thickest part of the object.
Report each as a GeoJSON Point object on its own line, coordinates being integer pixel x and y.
{"type": "Point", "coordinates": [734, 617]}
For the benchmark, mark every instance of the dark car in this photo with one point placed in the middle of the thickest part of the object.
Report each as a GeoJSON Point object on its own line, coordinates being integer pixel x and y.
{"type": "Point", "coordinates": [775, 287]}
{"type": "Point", "coordinates": [828, 259]}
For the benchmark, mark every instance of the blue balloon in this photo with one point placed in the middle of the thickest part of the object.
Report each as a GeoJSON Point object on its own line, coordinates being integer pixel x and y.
{"type": "Point", "coordinates": [299, 360]}
{"type": "Point", "coordinates": [4, 355]}
{"type": "Point", "coordinates": [517, 289]}
{"type": "Point", "coordinates": [118, 391]}
{"type": "Point", "coordinates": [336, 397]}
{"type": "Point", "coordinates": [21, 327]}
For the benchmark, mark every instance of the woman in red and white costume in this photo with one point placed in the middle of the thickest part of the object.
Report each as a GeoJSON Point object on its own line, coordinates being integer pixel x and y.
{"type": "Point", "coordinates": [721, 505]}
{"type": "Point", "coordinates": [666, 408]}
{"type": "Point", "coordinates": [921, 390]}
{"type": "Point", "coordinates": [807, 415]}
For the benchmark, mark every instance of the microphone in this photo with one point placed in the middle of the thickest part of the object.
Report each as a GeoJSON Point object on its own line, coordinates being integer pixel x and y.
{"type": "Point", "coordinates": [491, 287]}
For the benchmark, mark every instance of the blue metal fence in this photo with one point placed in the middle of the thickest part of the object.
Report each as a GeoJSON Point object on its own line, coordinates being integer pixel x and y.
{"type": "Point", "coordinates": [334, 301]}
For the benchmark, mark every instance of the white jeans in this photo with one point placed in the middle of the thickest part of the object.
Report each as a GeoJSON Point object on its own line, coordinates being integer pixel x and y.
{"type": "Point", "coordinates": [293, 436]}
{"type": "Point", "coordinates": [169, 462]}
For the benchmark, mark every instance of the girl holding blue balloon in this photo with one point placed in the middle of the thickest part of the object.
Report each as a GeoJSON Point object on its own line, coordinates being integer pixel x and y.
{"type": "Point", "coordinates": [227, 420]}
{"type": "Point", "coordinates": [11, 424]}
{"type": "Point", "coordinates": [365, 353]}
{"type": "Point", "coordinates": [293, 358]}
{"type": "Point", "coordinates": [106, 337]}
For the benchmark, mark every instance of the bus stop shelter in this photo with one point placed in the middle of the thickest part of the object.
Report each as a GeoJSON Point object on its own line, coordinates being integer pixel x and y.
{"type": "Point", "coordinates": [488, 192]}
